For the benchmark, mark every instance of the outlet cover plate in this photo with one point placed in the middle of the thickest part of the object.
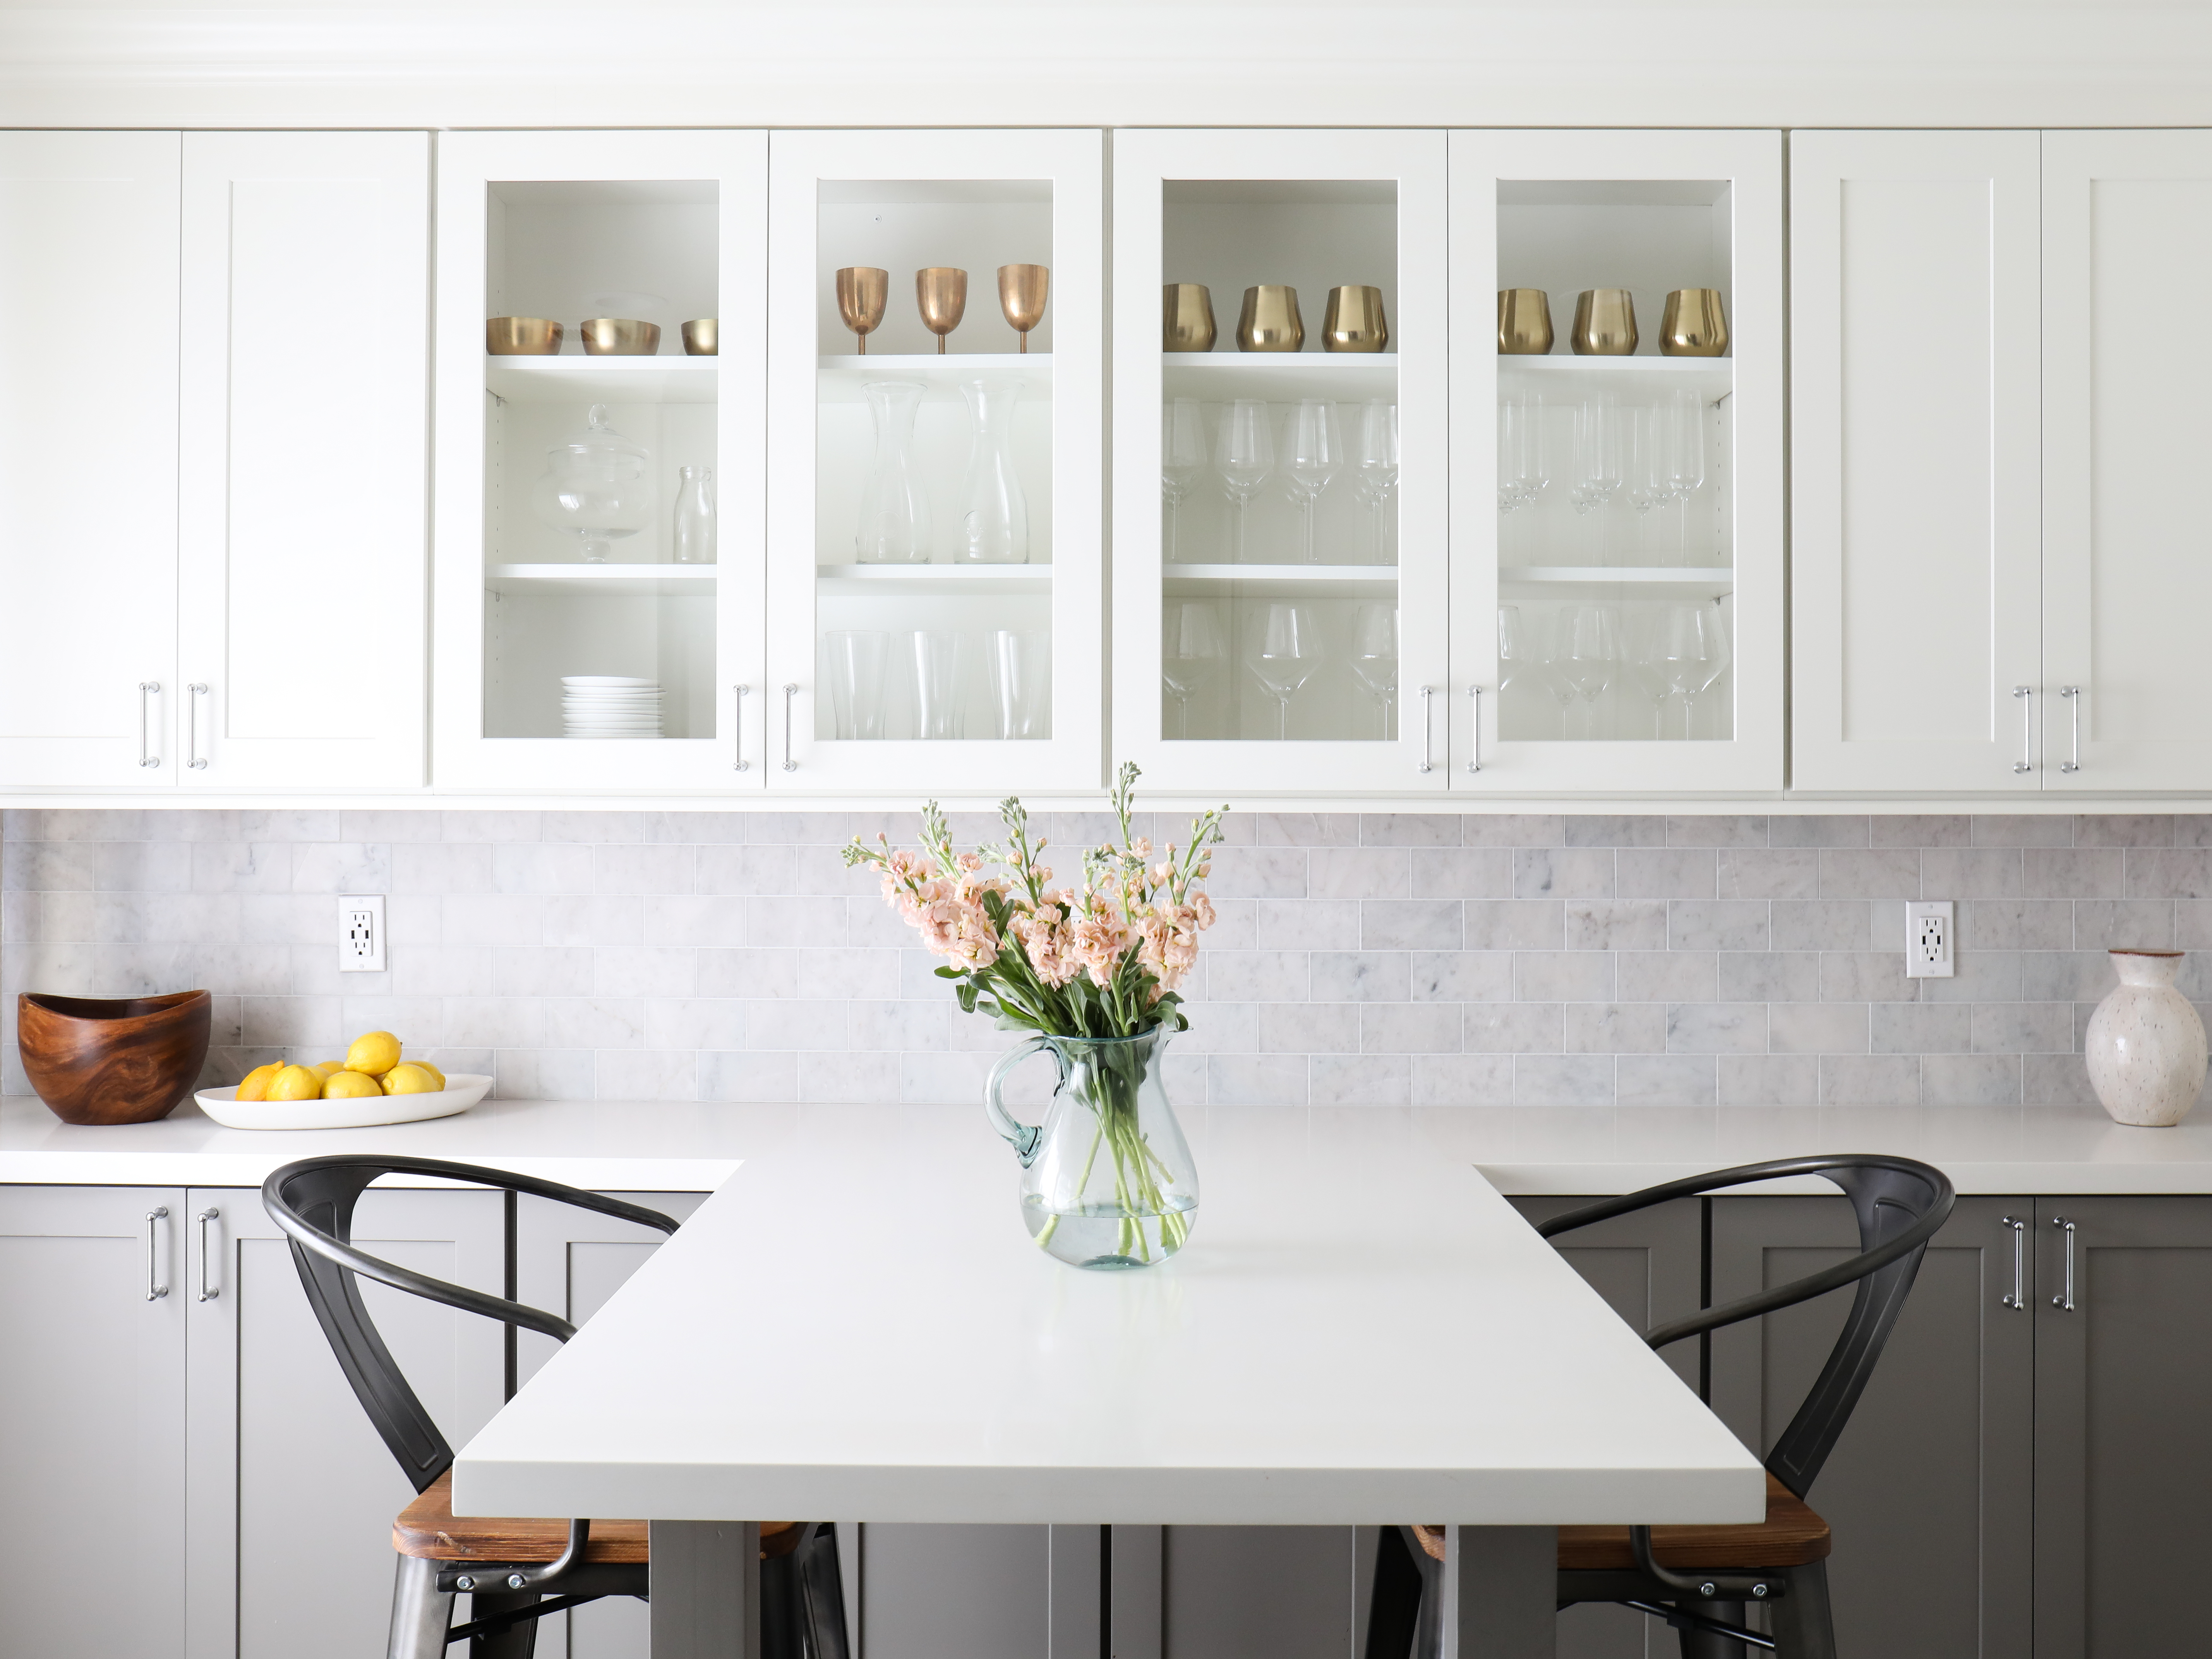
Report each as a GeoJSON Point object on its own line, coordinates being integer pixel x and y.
{"type": "Point", "coordinates": [1931, 938]}
{"type": "Point", "coordinates": [361, 932]}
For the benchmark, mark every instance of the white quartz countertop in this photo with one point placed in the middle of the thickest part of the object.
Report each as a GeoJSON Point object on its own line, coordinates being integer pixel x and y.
{"type": "Point", "coordinates": [662, 1147]}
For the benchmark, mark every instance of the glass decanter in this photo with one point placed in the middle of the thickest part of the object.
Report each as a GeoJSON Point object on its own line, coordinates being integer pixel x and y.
{"type": "Point", "coordinates": [894, 504]}
{"type": "Point", "coordinates": [994, 516]}
{"type": "Point", "coordinates": [694, 515]}
{"type": "Point", "coordinates": [598, 486]}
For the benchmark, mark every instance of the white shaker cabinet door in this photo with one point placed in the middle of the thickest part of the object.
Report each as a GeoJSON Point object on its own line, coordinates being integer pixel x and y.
{"type": "Point", "coordinates": [2127, 572]}
{"type": "Point", "coordinates": [92, 1422]}
{"type": "Point", "coordinates": [305, 457]}
{"type": "Point", "coordinates": [1915, 516]}
{"type": "Point", "coordinates": [87, 456]}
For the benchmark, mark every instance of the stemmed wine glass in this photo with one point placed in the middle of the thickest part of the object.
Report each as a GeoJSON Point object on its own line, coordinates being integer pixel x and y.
{"type": "Point", "coordinates": [1589, 656]}
{"type": "Point", "coordinates": [1528, 687]}
{"type": "Point", "coordinates": [1316, 450]}
{"type": "Point", "coordinates": [1192, 654]}
{"type": "Point", "coordinates": [1377, 460]}
{"type": "Point", "coordinates": [1642, 666]}
{"type": "Point", "coordinates": [1286, 651]}
{"type": "Point", "coordinates": [1375, 655]}
{"type": "Point", "coordinates": [1182, 458]}
{"type": "Point", "coordinates": [1243, 458]}
{"type": "Point", "coordinates": [1687, 472]}
{"type": "Point", "coordinates": [1691, 648]}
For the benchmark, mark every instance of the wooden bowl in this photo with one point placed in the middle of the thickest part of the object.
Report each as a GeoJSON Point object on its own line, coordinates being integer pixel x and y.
{"type": "Point", "coordinates": [114, 1060]}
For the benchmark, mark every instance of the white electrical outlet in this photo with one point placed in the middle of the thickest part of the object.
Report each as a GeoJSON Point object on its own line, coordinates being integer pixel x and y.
{"type": "Point", "coordinates": [1928, 930]}
{"type": "Point", "coordinates": [361, 933]}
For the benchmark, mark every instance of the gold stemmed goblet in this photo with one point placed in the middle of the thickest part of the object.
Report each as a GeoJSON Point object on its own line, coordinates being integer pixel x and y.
{"type": "Point", "coordinates": [862, 291]}
{"type": "Point", "coordinates": [1022, 290]}
{"type": "Point", "coordinates": [942, 291]}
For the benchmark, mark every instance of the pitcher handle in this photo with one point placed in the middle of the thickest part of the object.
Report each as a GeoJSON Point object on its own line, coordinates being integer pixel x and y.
{"type": "Point", "coordinates": [1022, 1137]}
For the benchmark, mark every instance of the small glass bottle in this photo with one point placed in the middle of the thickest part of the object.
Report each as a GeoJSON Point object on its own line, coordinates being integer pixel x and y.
{"type": "Point", "coordinates": [694, 515]}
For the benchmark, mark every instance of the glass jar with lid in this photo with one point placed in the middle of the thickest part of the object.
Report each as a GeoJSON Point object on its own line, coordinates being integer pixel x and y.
{"type": "Point", "coordinates": [598, 486]}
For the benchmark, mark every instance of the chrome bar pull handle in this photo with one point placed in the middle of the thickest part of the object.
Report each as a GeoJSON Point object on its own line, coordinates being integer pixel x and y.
{"type": "Point", "coordinates": [737, 761]}
{"type": "Point", "coordinates": [2065, 1303]}
{"type": "Point", "coordinates": [1427, 761]}
{"type": "Point", "coordinates": [154, 1288]}
{"type": "Point", "coordinates": [208, 1289]}
{"type": "Point", "coordinates": [2073, 696]}
{"type": "Point", "coordinates": [147, 689]}
{"type": "Point", "coordinates": [2018, 1300]}
{"type": "Point", "coordinates": [1474, 702]}
{"type": "Point", "coordinates": [789, 692]}
{"type": "Point", "coordinates": [196, 761]}
{"type": "Point", "coordinates": [2026, 696]}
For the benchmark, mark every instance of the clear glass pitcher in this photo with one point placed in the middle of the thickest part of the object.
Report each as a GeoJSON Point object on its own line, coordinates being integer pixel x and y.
{"type": "Point", "coordinates": [994, 517]}
{"type": "Point", "coordinates": [894, 524]}
{"type": "Point", "coordinates": [1107, 1178]}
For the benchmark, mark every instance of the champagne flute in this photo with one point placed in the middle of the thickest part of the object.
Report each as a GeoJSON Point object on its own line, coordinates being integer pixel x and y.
{"type": "Point", "coordinates": [1687, 475]}
{"type": "Point", "coordinates": [1693, 649]}
{"type": "Point", "coordinates": [1589, 656]}
{"type": "Point", "coordinates": [1316, 450]}
{"type": "Point", "coordinates": [1244, 458]}
{"type": "Point", "coordinates": [1376, 461]}
{"type": "Point", "coordinates": [1286, 651]}
{"type": "Point", "coordinates": [1375, 655]}
{"type": "Point", "coordinates": [1522, 470]}
{"type": "Point", "coordinates": [1182, 458]}
{"type": "Point", "coordinates": [1597, 450]}
{"type": "Point", "coordinates": [1650, 462]}
{"type": "Point", "coordinates": [1192, 654]}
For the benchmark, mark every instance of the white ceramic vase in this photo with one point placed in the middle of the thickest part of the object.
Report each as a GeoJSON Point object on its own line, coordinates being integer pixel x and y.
{"type": "Point", "coordinates": [2145, 1044]}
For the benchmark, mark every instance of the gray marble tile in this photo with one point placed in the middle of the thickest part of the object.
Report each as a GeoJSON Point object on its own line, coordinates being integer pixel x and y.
{"type": "Point", "coordinates": [1409, 1028]}
{"type": "Point", "coordinates": [1921, 830]}
{"type": "Point", "coordinates": [1410, 924]}
{"type": "Point", "coordinates": [1361, 872]}
{"type": "Point", "coordinates": [1511, 1027]}
{"type": "Point", "coordinates": [1768, 976]}
{"type": "Point", "coordinates": [1784, 830]}
{"type": "Point", "coordinates": [1373, 1079]}
{"type": "Point", "coordinates": [1768, 1080]}
{"type": "Point", "coordinates": [1409, 829]}
{"type": "Point", "coordinates": [1718, 925]}
{"type": "Point", "coordinates": [1614, 1027]}
{"type": "Point", "coordinates": [1563, 1080]}
{"type": "Point", "coordinates": [1716, 1028]}
{"type": "Point", "coordinates": [1563, 976]}
{"type": "Point", "coordinates": [2124, 830]}
{"type": "Point", "coordinates": [1585, 872]}
{"type": "Point", "coordinates": [1685, 872]}
{"type": "Point", "coordinates": [1461, 976]}
{"type": "Point", "coordinates": [1668, 977]}
{"type": "Point", "coordinates": [1462, 873]}
{"type": "Point", "coordinates": [2026, 830]}
{"type": "Point", "coordinates": [1870, 1079]}
{"type": "Point", "coordinates": [1603, 925]}
{"type": "Point", "coordinates": [1715, 830]}
{"type": "Point", "coordinates": [1970, 1081]}
{"type": "Point", "coordinates": [1462, 1079]}
{"type": "Point", "coordinates": [1667, 1079]}
{"type": "Point", "coordinates": [1510, 924]}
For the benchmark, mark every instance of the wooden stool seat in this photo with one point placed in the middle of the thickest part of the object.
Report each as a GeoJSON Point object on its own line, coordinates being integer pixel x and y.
{"type": "Point", "coordinates": [1792, 1535]}
{"type": "Point", "coordinates": [429, 1529]}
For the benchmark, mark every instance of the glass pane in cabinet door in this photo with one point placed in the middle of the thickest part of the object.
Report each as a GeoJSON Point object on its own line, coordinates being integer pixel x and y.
{"type": "Point", "coordinates": [600, 500]}
{"type": "Point", "coordinates": [1279, 459]}
{"type": "Point", "coordinates": [933, 522]}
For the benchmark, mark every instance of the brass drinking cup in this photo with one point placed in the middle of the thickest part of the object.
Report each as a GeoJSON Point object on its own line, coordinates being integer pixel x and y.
{"type": "Point", "coordinates": [1270, 320]}
{"type": "Point", "coordinates": [1022, 290]}
{"type": "Point", "coordinates": [1605, 323]}
{"type": "Point", "coordinates": [1186, 318]}
{"type": "Point", "coordinates": [522, 337]}
{"type": "Point", "coordinates": [862, 293]}
{"type": "Point", "coordinates": [942, 293]}
{"type": "Point", "coordinates": [1524, 322]}
{"type": "Point", "coordinates": [1354, 321]}
{"type": "Point", "coordinates": [703, 337]}
{"type": "Point", "coordinates": [618, 337]}
{"type": "Point", "coordinates": [1694, 324]}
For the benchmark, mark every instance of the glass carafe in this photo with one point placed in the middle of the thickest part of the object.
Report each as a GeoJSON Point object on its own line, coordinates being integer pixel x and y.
{"type": "Point", "coordinates": [598, 486]}
{"type": "Point", "coordinates": [695, 516]}
{"type": "Point", "coordinates": [1107, 1178]}
{"type": "Point", "coordinates": [994, 516]}
{"type": "Point", "coordinates": [894, 503]}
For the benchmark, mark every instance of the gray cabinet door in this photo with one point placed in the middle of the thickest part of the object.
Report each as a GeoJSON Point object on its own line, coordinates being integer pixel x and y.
{"type": "Point", "coordinates": [2123, 1438]}
{"type": "Point", "coordinates": [92, 1424]}
{"type": "Point", "coordinates": [291, 1492]}
{"type": "Point", "coordinates": [1928, 1491]}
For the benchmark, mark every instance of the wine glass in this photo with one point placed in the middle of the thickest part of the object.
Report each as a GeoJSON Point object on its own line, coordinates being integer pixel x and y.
{"type": "Point", "coordinates": [1193, 652]}
{"type": "Point", "coordinates": [1597, 450]}
{"type": "Point", "coordinates": [1375, 655]}
{"type": "Point", "coordinates": [1532, 699]}
{"type": "Point", "coordinates": [1316, 450]}
{"type": "Point", "coordinates": [1376, 461]}
{"type": "Point", "coordinates": [1651, 461]}
{"type": "Point", "coordinates": [1691, 649]}
{"type": "Point", "coordinates": [1687, 473]}
{"type": "Point", "coordinates": [1641, 665]}
{"type": "Point", "coordinates": [1244, 458]}
{"type": "Point", "coordinates": [1285, 650]}
{"type": "Point", "coordinates": [1182, 458]}
{"type": "Point", "coordinates": [1589, 656]}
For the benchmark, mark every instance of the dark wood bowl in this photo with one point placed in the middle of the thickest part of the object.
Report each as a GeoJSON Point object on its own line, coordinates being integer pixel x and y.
{"type": "Point", "coordinates": [114, 1060]}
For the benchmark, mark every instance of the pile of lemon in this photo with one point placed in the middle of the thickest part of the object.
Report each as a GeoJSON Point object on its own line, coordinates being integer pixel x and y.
{"type": "Point", "coordinates": [372, 1066]}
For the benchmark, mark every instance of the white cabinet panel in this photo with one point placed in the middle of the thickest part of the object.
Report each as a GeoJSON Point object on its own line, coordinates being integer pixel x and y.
{"type": "Point", "coordinates": [1917, 518]}
{"type": "Point", "coordinates": [87, 456]}
{"type": "Point", "coordinates": [302, 632]}
{"type": "Point", "coordinates": [2127, 238]}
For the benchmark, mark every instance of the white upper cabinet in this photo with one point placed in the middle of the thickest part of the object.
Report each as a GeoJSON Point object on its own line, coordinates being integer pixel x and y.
{"type": "Point", "coordinates": [303, 446]}
{"type": "Point", "coordinates": [1279, 525]}
{"type": "Point", "coordinates": [1617, 558]}
{"type": "Point", "coordinates": [88, 457]}
{"type": "Point", "coordinates": [1916, 393]}
{"type": "Point", "coordinates": [935, 575]}
{"type": "Point", "coordinates": [2127, 573]}
{"type": "Point", "coordinates": [599, 573]}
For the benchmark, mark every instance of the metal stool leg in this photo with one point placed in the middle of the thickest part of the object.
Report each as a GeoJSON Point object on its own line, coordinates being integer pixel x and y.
{"type": "Point", "coordinates": [1703, 1644]}
{"type": "Point", "coordinates": [420, 1614]}
{"type": "Point", "coordinates": [519, 1640]}
{"type": "Point", "coordinates": [1803, 1628]}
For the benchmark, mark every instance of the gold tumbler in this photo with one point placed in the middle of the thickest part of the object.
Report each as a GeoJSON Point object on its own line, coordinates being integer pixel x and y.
{"type": "Point", "coordinates": [1186, 318]}
{"type": "Point", "coordinates": [1270, 320]}
{"type": "Point", "coordinates": [703, 337]}
{"type": "Point", "coordinates": [1605, 323]}
{"type": "Point", "coordinates": [942, 293]}
{"type": "Point", "coordinates": [1022, 290]}
{"type": "Point", "coordinates": [1694, 325]}
{"type": "Point", "coordinates": [862, 292]}
{"type": "Point", "coordinates": [1524, 322]}
{"type": "Point", "coordinates": [1354, 321]}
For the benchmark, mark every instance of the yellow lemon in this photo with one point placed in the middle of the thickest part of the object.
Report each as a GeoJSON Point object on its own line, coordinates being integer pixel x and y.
{"type": "Point", "coordinates": [432, 1070]}
{"type": "Point", "coordinates": [375, 1054]}
{"type": "Point", "coordinates": [255, 1085]}
{"type": "Point", "coordinates": [296, 1083]}
{"type": "Point", "coordinates": [327, 1067]}
{"type": "Point", "coordinates": [349, 1085]}
{"type": "Point", "coordinates": [409, 1079]}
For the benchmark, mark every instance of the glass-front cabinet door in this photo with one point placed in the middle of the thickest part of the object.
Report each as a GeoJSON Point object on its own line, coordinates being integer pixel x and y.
{"type": "Point", "coordinates": [599, 459]}
{"type": "Point", "coordinates": [936, 370]}
{"type": "Point", "coordinates": [1616, 465]}
{"type": "Point", "coordinates": [1279, 453]}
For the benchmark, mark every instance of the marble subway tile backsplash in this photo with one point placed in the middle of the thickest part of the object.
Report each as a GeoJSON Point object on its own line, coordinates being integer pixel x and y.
{"type": "Point", "coordinates": [1360, 959]}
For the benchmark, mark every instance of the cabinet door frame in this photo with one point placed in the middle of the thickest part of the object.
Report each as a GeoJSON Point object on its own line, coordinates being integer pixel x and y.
{"type": "Point", "coordinates": [1752, 760]}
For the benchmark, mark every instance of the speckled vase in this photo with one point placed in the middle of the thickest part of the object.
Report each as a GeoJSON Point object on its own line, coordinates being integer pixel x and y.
{"type": "Point", "coordinates": [2145, 1044]}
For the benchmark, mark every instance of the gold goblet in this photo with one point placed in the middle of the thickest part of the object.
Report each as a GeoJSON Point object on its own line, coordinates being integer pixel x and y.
{"type": "Point", "coordinates": [1270, 319]}
{"type": "Point", "coordinates": [1694, 325]}
{"type": "Point", "coordinates": [1022, 290]}
{"type": "Point", "coordinates": [1186, 318]}
{"type": "Point", "coordinates": [942, 291]}
{"type": "Point", "coordinates": [1605, 323]}
{"type": "Point", "coordinates": [1354, 321]}
{"type": "Point", "coordinates": [1524, 322]}
{"type": "Point", "coordinates": [862, 291]}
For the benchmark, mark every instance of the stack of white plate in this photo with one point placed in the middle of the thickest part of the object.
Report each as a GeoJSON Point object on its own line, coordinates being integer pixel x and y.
{"type": "Point", "coordinates": [609, 706]}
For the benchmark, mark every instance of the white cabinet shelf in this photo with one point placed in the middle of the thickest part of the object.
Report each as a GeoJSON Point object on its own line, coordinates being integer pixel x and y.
{"type": "Point", "coordinates": [1640, 583]}
{"type": "Point", "coordinates": [606, 379]}
{"type": "Point", "coordinates": [887, 579]}
{"type": "Point", "coordinates": [1711, 378]}
{"type": "Point", "coordinates": [1278, 376]}
{"type": "Point", "coordinates": [843, 376]}
{"type": "Point", "coordinates": [659, 580]}
{"type": "Point", "coordinates": [1300, 581]}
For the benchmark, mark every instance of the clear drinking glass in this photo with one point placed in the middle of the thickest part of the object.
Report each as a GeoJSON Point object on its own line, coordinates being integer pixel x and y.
{"type": "Point", "coordinates": [894, 527]}
{"type": "Point", "coordinates": [994, 515]}
{"type": "Point", "coordinates": [1686, 411]}
{"type": "Point", "coordinates": [1182, 458]}
{"type": "Point", "coordinates": [1589, 655]}
{"type": "Point", "coordinates": [935, 658]}
{"type": "Point", "coordinates": [1691, 649]}
{"type": "Point", "coordinates": [1597, 450]}
{"type": "Point", "coordinates": [1375, 655]}
{"type": "Point", "coordinates": [1377, 460]}
{"type": "Point", "coordinates": [1021, 681]}
{"type": "Point", "coordinates": [1244, 458]}
{"type": "Point", "coordinates": [1285, 652]}
{"type": "Point", "coordinates": [1316, 450]}
{"type": "Point", "coordinates": [1193, 652]}
{"type": "Point", "coordinates": [856, 683]}
{"type": "Point", "coordinates": [1532, 699]}
{"type": "Point", "coordinates": [694, 515]}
